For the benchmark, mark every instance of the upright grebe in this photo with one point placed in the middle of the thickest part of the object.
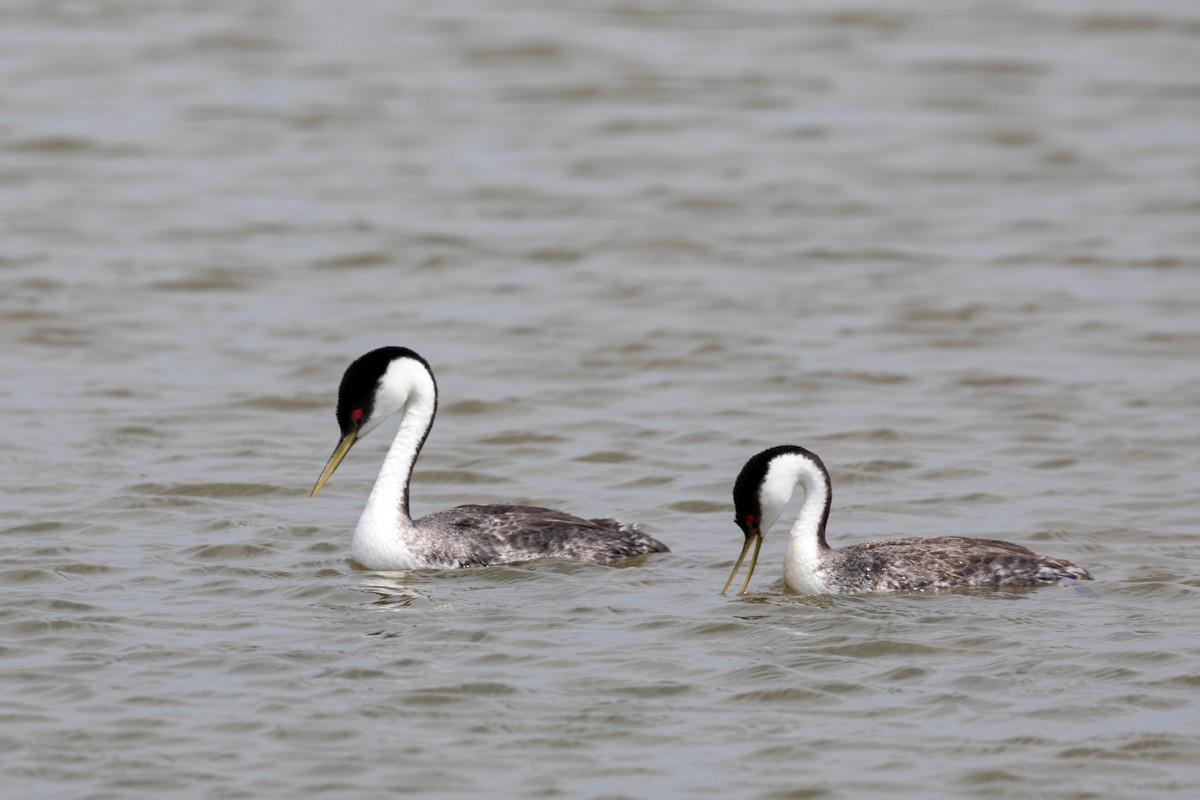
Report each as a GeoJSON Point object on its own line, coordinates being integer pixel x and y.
{"type": "Point", "coordinates": [811, 566]}
{"type": "Point", "coordinates": [396, 380]}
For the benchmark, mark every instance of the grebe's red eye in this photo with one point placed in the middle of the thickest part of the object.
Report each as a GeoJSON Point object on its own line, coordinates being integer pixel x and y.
{"type": "Point", "coordinates": [356, 413]}
{"type": "Point", "coordinates": [750, 520]}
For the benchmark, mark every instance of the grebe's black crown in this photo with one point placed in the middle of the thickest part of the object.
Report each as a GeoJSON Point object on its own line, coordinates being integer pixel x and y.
{"type": "Point", "coordinates": [361, 381]}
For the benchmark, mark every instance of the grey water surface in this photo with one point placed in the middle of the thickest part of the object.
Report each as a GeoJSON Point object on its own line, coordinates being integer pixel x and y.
{"type": "Point", "coordinates": [951, 247]}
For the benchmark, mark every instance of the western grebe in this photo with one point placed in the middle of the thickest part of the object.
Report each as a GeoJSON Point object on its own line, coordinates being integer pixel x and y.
{"type": "Point", "coordinates": [396, 380]}
{"type": "Point", "coordinates": [811, 566]}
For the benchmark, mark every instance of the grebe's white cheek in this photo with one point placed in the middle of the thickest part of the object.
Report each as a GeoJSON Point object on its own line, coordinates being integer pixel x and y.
{"type": "Point", "coordinates": [776, 490]}
{"type": "Point", "coordinates": [388, 401]}
{"type": "Point", "coordinates": [769, 518]}
{"type": "Point", "coordinates": [369, 426]}
{"type": "Point", "coordinates": [397, 390]}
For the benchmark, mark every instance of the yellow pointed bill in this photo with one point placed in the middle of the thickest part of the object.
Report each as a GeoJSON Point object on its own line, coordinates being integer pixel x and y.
{"type": "Point", "coordinates": [339, 453]}
{"type": "Point", "coordinates": [756, 538]}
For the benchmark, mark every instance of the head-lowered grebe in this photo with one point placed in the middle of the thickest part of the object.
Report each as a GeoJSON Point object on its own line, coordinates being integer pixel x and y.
{"type": "Point", "coordinates": [811, 566]}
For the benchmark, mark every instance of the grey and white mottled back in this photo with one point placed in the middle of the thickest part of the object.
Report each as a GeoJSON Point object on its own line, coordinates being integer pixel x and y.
{"type": "Point", "coordinates": [481, 535]}
{"type": "Point", "coordinates": [942, 562]}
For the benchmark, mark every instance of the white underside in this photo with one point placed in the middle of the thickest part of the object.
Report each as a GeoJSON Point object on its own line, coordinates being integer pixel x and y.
{"type": "Point", "coordinates": [802, 570]}
{"type": "Point", "coordinates": [373, 552]}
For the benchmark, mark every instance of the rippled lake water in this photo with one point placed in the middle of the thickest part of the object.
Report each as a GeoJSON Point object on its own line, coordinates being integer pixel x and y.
{"type": "Point", "coordinates": [950, 247]}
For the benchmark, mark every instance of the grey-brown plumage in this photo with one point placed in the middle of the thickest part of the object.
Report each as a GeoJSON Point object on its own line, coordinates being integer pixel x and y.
{"type": "Point", "coordinates": [394, 380]}
{"type": "Point", "coordinates": [476, 536]}
{"type": "Point", "coordinates": [941, 562]}
{"type": "Point", "coordinates": [811, 566]}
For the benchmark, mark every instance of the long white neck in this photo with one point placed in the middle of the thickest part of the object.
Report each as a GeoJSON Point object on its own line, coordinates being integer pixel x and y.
{"type": "Point", "coordinates": [806, 542]}
{"type": "Point", "coordinates": [381, 540]}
